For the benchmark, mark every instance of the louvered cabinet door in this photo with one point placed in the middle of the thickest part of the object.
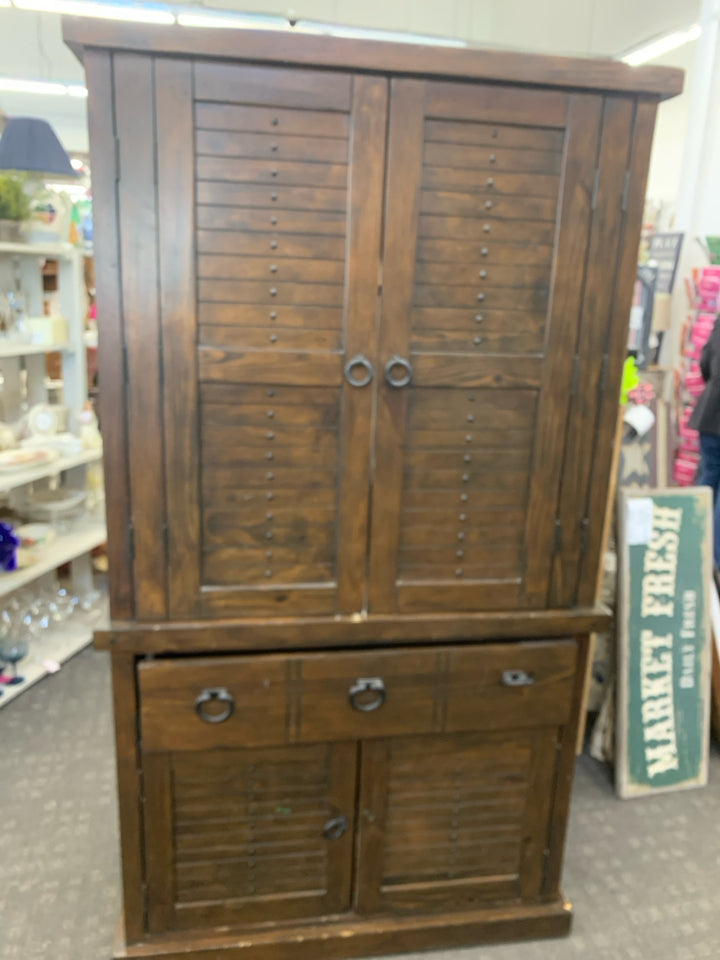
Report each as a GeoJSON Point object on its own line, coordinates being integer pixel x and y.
{"type": "Point", "coordinates": [248, 836]}
{"type": "Point", "coordinates": [486, 231]}
{"type": "Point", "coordinates": [270, 195]}
{"type": "Point", "coordinates": [453, 822]}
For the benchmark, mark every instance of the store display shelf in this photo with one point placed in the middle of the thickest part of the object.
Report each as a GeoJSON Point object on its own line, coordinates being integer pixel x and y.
{"type": "Point", "coordinates": [28, 349]}
{"type": "Point", "coordinates": [51, 650]}
{"type": "Point", "coordinates": [59, 251]}
{"type": "Point", "coordinates": [18, 478]}
{"type": "Point", "coordinates": [87, 535]}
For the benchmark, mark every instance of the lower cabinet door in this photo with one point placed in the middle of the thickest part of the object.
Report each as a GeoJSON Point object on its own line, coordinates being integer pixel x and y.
{"type": "Point", "coordinates": [247, 836]}
{"type": "Point", "coordinates": [448, 822]}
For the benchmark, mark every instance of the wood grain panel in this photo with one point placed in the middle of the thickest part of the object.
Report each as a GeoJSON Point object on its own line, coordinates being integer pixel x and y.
{"type": "Point", "coordinates": [480, 253]}
{"type": "Point", "coordinates": [254, 315]}
{"type": "Point", "coordinates": [487, 341]}
{"type": "Point", "coordinates": [226, 116]}
{"type": "Point", "coordinates": [605, 235]}
{"type": "Point", "coordinates": [247, 291]}
{"type": "Point", "coordinates": [221, 143]}
{"type": "Point", "coordinates": [236, 83]}
{"type": "Point", "coordinates": [492, 158]}
{"type": "Point", "coordinates": [451, 318]}
{"type": "Point", "coordinates": [403, 177]}
{"type": "Point", "coordinates": [488, 103]}
{"type": "Point", "coordinates": [570, 262]}
{"type": "Point", "coordinates": [441, 370]}
{"type": "Point", "coordinates": [490, 274]}
{"type": "Point", "coordinates": [473, 204]}
{"type": "Point", "coordinates": [615, 346]}
{"type": "Point", "coordinates": [112, 401]}
{"type": "Point", "coordinates": [481, 296]}
{"type": "Point", "coordinates": [273, 860]}
{"type": "Point", "coordinates": [173, 97]}
{"type": "Point", "coordinates": [370, 111]}
{"type": "Point", "coordinates": [137, 200]}
{"type": "Point", "coordinates": [267, 268]}
{"type": "Point", "coordinates": [293, 173]}
{"type": "Point", "coordinates": [490, 181]}
{"type": "Point", "coordinates": [272, 220]}
{"type": "Point", "coordinates": [470, 228]}
{"type": "Point", "coordinates": [494, 135]}
{"type": "Point", "coordinates": [223, 194]}
{"type": "Point", "coordinates": [282, 338]}
{"type": "Point", "coordinates": [261, 366]}
{"type": "Point", "coordinates": [277, 244]}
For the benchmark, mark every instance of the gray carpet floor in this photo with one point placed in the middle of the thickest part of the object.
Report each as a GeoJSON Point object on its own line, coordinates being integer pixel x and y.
{"type": "Point", "coordinates": [644, 875]}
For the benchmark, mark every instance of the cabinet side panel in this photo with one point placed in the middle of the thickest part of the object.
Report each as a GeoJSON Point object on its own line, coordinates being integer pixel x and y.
{"type": "Point", "coordinates": [98, 67]}
{"type": "Point", "coordinates": [129, 792]}
{"type": "Point", "coordinates": [135, 119]}
{"type": "Point", "coordinates": [176, 244]}
{"type": "Point", "coordinates": [615, 348]}
{"type": "Point", "coordinates": [596, 316]}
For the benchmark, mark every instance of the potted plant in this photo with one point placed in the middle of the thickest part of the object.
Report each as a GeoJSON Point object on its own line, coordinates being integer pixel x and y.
{"type": "Point", "coordinates": [14, 207]}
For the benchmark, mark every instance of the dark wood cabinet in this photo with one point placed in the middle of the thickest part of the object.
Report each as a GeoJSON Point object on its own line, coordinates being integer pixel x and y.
{"type": "Point", "coordinates": [363, 311]}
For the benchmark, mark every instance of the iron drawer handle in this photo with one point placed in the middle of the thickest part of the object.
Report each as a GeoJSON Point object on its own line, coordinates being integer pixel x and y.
{"type": "Point", "coordinates": [399, 381]}
{"type": "Point", "coordinates": [359, 361]}
{"type": "Point", "coordinates": [367, 685]}
{"type": "Point", "coordinates": [517, 678]}
{"type": "Point", "coordinates": [335, 828]}
{"type": "Point", "coordinates": [215, 695]}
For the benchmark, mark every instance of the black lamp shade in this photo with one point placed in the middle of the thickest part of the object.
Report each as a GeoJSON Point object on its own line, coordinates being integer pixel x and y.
{"type": "Point", "coordinates": [29, 144]}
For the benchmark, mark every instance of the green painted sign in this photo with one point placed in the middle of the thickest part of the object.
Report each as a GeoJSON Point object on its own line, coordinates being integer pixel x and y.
{"type": "Point", "coordinates": [664, 650]}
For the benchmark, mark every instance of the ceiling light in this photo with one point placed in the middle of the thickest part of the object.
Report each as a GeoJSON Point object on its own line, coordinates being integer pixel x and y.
{"type": "Point", "coordinates": [75, 90]}
{"type": "Point", "coordinates": [32, 86]}
{"type": "Point", "coordinates": [135, 13]}
{"type": "Point", "coordinates": [4, 3]}
{"type": "Point", "coordinates": [224, 22]}
{"type": "Point", "coordinates": [656, 48]}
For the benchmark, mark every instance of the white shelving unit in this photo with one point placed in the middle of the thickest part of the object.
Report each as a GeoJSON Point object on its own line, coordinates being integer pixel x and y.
{"type": "Point", "coordinates": [24, 383]}
{"type": "Point", "coordinates": [52, 650]}
{"type": "Point", "coordinates": [19, 478]}
{"type": "Point", "coordinates": [86, 535]}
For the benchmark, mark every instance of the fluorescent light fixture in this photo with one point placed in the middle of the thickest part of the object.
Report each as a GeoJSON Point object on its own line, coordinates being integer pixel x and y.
{"type": "Point", "coordinates": [44, 87]}
{"type": "Point", "coordinates": [135, 13]}
{"type": "Point", "coordinates": [656, 48]}
{"type": "Point", "coordinates": [9, 85]}
{"type": "Point", "coordinates": [222, 21]}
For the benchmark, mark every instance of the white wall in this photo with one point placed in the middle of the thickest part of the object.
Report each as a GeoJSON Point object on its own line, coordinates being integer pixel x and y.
{"type": "Point", "coordinates": [667, 152]}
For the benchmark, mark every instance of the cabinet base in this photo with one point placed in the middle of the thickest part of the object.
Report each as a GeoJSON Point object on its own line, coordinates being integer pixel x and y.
{"type": "Point", "coordinates": [364, 938]}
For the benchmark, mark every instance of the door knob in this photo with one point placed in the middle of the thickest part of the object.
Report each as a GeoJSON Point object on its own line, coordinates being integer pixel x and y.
{"type": "Point", "coordinates": [363, 686]}
{"type": "Point", "coordinates": [404, 365]}
{"type": "Point", "coordinates": [215, 695]}
{"type": "Point", "coordinates": [517, 678]}
{"type": "Point", "coordinates": [364, 363]}
{"type": "Point", "coordinates": [335, 828]}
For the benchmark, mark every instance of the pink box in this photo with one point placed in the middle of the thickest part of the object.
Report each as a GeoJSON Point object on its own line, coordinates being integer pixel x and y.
{"type": "Point", "coordinates": [685, 472]}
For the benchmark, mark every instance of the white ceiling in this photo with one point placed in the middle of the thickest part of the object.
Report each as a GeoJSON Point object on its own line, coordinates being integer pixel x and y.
{"type": "Point", "coordinates": [31, 45]}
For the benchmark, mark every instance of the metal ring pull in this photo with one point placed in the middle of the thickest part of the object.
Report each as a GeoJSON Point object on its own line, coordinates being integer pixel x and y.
{"type": "Point", "coordinates": [215, 695]}
{"type": "Point", "coordinates": [517, 678]}
{"type": "Point", "coordinates": [335, 828]}
{"type": "Point", "coordinates": [400, 381]}
{"type": "Point", "coordinates": [367, 685]}
{"type": "Point", "coordinates": [359, 361]}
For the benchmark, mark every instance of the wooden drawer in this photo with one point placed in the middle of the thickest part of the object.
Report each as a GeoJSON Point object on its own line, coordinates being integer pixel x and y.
{"type": "Point", "coordinates": [348, 696]}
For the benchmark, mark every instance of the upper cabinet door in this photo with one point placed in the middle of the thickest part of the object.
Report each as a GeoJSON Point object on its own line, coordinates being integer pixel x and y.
{"type": "Point", "coordinates": [488, 205]}
{"type": "Point", "coordinates": [270, 211]}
